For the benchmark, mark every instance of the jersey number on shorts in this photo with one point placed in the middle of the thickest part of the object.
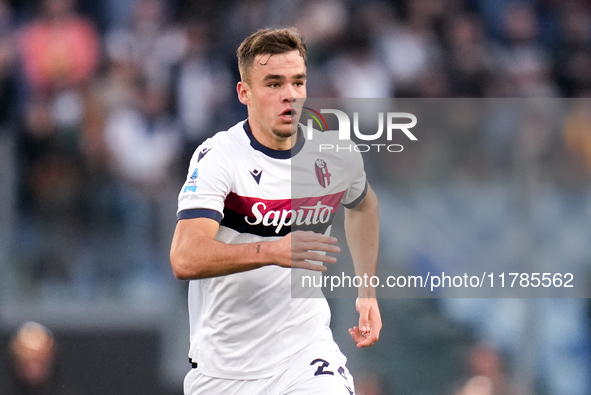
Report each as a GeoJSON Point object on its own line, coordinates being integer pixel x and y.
{"type": "Point", "coordinates": [320, 369]}
{"type": "Point", "coordinates": [324, 364]}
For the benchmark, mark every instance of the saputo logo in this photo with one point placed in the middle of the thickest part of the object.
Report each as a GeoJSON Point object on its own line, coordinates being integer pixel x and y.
{"type": "Point", "coordinates": [303, 215]}
{"type": "Point", "coordinates": [307, 213]}
{"type": "Point", "coordinates": [396, 122]}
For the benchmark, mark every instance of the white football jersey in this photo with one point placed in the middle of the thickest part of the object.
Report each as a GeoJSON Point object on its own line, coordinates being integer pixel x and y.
{"type": "Point", "coordinates": [246, 325]}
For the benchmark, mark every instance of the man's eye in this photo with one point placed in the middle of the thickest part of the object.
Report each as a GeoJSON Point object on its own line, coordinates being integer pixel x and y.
{"type": "Point", "coordinates": [273, 85]}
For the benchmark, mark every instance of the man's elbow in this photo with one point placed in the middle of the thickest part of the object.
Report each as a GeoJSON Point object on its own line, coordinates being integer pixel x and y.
{"type": "Point", "coordinates": [181, 267]}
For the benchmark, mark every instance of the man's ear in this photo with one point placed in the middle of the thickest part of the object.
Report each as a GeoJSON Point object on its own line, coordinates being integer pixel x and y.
{"type": "Point", "coordinates": [243, 93]}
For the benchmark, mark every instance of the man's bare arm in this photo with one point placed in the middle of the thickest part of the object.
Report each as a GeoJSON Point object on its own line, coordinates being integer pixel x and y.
{"type": "Point", "coordinates": [195, 254]}
{"type": "Point", "coordinates": [363, 236]}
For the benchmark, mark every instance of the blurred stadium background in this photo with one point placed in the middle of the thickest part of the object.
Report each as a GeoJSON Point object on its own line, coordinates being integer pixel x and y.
{"type": "Point", "coordinates": [103, 102]}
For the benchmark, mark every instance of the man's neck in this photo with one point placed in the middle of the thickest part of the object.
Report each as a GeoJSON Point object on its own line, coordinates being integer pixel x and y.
{"type": "Point", "coordinates": [270, 140]}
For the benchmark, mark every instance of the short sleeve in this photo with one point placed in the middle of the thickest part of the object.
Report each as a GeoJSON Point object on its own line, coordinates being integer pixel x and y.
{"type": "Point", "coordinates": [207, 185]}
{"type": "Point", "coordinates": [358, 183]}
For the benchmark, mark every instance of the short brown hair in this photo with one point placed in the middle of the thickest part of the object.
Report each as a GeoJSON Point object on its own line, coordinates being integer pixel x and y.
{"type": "Point", "coordinates": [270, 41]}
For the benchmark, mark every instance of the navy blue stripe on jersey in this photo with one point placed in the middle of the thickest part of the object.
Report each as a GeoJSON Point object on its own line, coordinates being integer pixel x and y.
{"type": "Point", "coordinates": [200, 213]}
{"type": "Point", "coordinates": [237, 222]}
{"type": "Point", "coordinates": [286, 154]}
{"type": "Point", "coordinates": [355, 202]}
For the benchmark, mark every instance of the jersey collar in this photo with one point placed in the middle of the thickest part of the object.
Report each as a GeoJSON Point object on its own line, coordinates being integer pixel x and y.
{"type": "Point", "coordinates": [277, 154]}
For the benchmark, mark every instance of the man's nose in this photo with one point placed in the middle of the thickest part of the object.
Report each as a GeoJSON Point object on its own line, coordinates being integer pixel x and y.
{"type": "Point", "coordinates": [289, 94]}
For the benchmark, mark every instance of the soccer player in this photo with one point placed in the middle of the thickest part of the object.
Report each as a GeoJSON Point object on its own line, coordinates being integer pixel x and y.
{"type": "Point", "coordinates": [233, 240]}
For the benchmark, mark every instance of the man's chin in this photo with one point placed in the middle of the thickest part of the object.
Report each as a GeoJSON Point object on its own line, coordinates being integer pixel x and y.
{"type": "Point", "coordinates": [284, 133]}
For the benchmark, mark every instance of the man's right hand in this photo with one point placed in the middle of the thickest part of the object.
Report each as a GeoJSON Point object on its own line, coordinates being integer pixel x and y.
{"type": "Point", "coordinates": [298, 248]}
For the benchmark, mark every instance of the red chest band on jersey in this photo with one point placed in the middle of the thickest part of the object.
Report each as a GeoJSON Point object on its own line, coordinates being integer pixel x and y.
{"type": "Point", "coordinates": [280, 213]}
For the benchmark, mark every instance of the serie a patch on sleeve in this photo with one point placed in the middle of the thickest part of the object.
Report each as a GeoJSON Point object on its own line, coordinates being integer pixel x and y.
{"type": "Point", "coordinates": [191, 184]}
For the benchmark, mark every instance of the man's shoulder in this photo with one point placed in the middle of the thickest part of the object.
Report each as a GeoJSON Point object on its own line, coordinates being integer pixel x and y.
{"type": "Point", "coordinates": [223, 144]}
{"type": "Point", "coordinates": [227, 138]}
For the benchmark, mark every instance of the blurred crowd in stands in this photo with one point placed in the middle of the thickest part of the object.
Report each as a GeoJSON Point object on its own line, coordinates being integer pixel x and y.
{"type": "Point", "coordinates": [34, 365]}
{"type": "Point", "coordinates": [107, 100]}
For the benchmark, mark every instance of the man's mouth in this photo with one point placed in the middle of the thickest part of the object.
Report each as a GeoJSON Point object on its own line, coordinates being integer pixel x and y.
{"type": "Point", "coordinates": [288, 113]}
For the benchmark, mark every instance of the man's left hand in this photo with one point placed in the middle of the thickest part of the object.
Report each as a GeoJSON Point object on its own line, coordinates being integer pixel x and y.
{"type": "Point", "coordinates": [370, 322]}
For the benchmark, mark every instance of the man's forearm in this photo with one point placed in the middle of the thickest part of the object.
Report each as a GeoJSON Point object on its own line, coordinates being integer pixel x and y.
{"type": "Point", "coordinates": [211, 258]}
{"type": "Point", "coordinates": [195, 253]}
{"type": "Point", "coordinates": [363, 236]}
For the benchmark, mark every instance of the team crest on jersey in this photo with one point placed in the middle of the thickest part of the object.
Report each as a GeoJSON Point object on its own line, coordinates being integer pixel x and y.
{"type": "Point", "coordinates": [322, 173]}
{"type": "Point", "coordinates": [203, 152]}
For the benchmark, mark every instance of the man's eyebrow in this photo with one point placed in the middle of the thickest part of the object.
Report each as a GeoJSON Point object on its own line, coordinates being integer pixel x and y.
{"type": "Point", "coordinates": [270, 77]}
{"type": "Point", "coordinates": [274, 77]}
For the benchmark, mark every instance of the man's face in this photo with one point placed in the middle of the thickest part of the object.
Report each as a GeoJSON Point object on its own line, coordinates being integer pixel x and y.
{"type": "Point", "coordinates": [275, 80]}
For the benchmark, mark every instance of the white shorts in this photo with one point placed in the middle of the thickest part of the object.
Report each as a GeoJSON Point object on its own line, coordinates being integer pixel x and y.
{"type": "Point", "coordinates": [311, 372]}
